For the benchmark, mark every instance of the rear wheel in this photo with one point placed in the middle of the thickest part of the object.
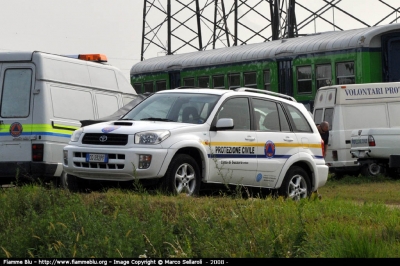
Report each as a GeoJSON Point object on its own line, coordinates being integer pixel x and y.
{"type": "Point", "coordinates": [296, 184]}
{"type": "Point", "coordinates": [182, 176]}
{"type": "Point", "coordinates": [371, 169]}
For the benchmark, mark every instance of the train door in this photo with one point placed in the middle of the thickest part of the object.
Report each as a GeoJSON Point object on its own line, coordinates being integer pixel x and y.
{"type": "Point", "coordinates": [174, 79]}
{"type": "Point", "coordinates": [391, 57]}
{"type": "Point", "coordinates": [285, 79]}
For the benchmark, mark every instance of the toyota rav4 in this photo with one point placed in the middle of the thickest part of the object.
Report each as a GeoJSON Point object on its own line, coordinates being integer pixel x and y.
{"type": "Point", "coordinates": [186, 137]}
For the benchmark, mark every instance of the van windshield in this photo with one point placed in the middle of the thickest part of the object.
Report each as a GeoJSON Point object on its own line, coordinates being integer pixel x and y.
{"type": "Point", "coordinates": [174, 107]}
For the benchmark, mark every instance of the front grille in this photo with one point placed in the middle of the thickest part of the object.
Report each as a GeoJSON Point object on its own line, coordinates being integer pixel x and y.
{"type": "Point", "coordinates": [105, 139]}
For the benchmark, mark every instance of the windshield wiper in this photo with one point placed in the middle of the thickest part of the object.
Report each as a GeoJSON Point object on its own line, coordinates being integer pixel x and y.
{"type": "Point", "coordinates": [157, 119]}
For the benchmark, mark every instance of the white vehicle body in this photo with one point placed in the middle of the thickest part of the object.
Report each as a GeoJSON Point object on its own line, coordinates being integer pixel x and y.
{"type": "Point", "coordinates": [354, 107]}
{"type": "Point", "coordinates": [43, 97]}
{"type": "Point", "coordinates": [246, 155]}
{"type": "Point", "coordinates": [375, 148]}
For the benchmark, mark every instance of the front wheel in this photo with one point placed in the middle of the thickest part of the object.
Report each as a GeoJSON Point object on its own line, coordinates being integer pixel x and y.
{"type": "Point", "coordinates": [182, 176]}
{"type": "Point", "coordinates": [70, 182]}
{"type": "Point", "coordinates": [296, 184]}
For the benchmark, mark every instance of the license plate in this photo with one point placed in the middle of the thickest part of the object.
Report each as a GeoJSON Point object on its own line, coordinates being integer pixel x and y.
{"type": "Point", "coordinates": [96, 158]}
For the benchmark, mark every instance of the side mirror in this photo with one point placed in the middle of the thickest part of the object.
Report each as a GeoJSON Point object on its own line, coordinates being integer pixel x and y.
{"type": "Point", "coordinates": [224, 123]}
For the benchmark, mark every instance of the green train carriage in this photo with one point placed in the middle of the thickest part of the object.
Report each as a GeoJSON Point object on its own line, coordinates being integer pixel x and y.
{"type": "Point", "coordinates": [295, 66]}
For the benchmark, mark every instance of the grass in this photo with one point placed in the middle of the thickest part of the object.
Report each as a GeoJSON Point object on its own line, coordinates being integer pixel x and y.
{"type": "Point", "coordinates": [351, 220]}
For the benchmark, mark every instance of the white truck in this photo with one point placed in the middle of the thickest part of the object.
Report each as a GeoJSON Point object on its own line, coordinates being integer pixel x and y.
{"type": "Point", "coordinates": [43, 97]}
{"type": "Point", "coordinates": [349, 107]}
{"type": "Point", "coordinates": [377, 150]}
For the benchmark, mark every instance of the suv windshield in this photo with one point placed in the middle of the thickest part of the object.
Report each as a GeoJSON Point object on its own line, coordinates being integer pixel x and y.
{"type": "Point", "coordinates": [175, 107]}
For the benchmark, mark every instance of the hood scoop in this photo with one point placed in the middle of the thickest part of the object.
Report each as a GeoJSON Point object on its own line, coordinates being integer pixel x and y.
{"type": "Point", "coordinates": [123, 123]}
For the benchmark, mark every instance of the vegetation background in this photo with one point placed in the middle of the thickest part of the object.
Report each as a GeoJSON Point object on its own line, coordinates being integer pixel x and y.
{"type": "Point", "coordinates": [354, 217]}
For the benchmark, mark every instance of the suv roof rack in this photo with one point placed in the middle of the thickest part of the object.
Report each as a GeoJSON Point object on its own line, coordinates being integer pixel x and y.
{"type": "Point", "coordinates": [189, 87]}
{"type": "Point", "coordinates": [276, 94]}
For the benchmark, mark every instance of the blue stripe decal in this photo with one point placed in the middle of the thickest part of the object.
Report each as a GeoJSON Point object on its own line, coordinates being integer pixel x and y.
{"type": "Point", "coordinates": [237, 156]}
{"type": "Point", "coordinates": [38, 133]}
{"type": "Point", "coordinates": [260, 156]}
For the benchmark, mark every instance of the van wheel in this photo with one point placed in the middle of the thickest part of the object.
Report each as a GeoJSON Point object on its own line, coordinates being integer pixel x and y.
{"type": "Point", "coordinates": [70, 182]}
{"type": "Point", "coordinates": [371, 169]}
{"type": "Point", "coordinates": [296, 184]}
{"type": "Point", "coordinates": [182, 176]}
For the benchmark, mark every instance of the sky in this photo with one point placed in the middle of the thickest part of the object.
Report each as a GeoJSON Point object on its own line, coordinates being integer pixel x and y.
{"type": "Point", "coordinates": [114, 27]}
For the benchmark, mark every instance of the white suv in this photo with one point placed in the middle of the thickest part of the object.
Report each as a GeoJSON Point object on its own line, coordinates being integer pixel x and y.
{"type": "Point", "coordinates": [184, 137]}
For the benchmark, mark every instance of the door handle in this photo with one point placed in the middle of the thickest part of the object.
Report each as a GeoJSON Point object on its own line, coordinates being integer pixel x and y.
{"type": "Point", "coordinates": [250, 138]}
{"type": "Point", "coordinates": [288, 139]}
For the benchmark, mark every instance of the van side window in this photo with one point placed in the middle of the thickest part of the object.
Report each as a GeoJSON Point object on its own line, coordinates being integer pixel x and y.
{"type": "Point", "coordinates": [328, 116]}
{"type": "Point", "coordinates": [318, 116]}
{"type": "Point", "coordinates": [300, 123]}
{"type": "Point", "coordinates": [16, 93]}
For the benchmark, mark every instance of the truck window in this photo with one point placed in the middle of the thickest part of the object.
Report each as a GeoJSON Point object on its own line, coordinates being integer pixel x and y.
{"type": "Point", "coordinates": [15, 100]}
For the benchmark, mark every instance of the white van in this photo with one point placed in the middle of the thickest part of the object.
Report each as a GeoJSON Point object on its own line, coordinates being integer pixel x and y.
{"type": "Point", "coordinates": [354, 106]}
{"type": "Point", "coordinates": [43, 97]}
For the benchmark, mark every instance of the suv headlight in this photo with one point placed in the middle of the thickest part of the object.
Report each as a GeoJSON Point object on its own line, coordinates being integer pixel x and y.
{"type": "Point", "coordinates": [151, 137]}
{"type": "Point", "coordinates": [76, 135]}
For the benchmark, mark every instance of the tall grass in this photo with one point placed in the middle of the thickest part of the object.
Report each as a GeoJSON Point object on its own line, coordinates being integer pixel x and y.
{"type": "Point", "coordinates": [36, 222]}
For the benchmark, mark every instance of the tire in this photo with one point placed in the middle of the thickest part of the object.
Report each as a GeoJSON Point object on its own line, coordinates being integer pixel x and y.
{"type": "Point", "coordinates": [182, 176]}
{"type": "Point", "coordinates": [70, 182]}
{"type": "Point", "coordinates": [296, 184]}
{"type": "Point", "coordinates": [371, 169]}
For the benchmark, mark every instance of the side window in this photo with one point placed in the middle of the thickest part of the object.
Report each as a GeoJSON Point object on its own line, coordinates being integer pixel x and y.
{"type": "Point", "coordinates": [329, 116]}
{"type": "Point", "coordinates": [234, 81]}
{"type": "Point", "coordinates": [218, 82]}
{"type": "Point", "coordinates": [250, 80]}
{"type": "Point", "coordinates": [148, 87]}
{"type": "Point", "coordinates": [304, 82]}
{"type": "Point", "coordinates": [188, 82]}
{"type": "Point", "coordinates": [269, 116]}
{"type": "Point", "coordinates": [267, 80]}
{"type": "Point", "coordinates": [204, 82]}
{"type": "Point", "coordinates": [239, 110]}
{"type": "Point", "coordinates": [324, 76]}
{"type": "Point", "coordinates": [137, 87]}
{"type": "Point", "coordinates": [161, 85]}
{"type": "Point", "coordinates": [16, 93]}
{"type": "Point", "coordinates": [345, 73]}
{"type": "Point", "coordinates": [282, 119]}
{"type": "Point", "coordinates": [300, 123]}
{"type": "Point", "coordinates": [318, 116]}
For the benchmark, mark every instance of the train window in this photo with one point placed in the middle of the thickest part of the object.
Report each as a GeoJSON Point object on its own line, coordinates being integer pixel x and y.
{"type": "Point", "coordinates": [234, 81]}
{"type": "Point", "coordinates": [304, 82]}
{"type": "Point", "coordinates": [267, 80]}
{"type": "Point", "coordinates": [161, 85]}
{"type": "Point", "coordinates": [218, 82]}
{"type": "Point", "coordinates": [250, 80]}
{"type": "Point", "coordinates": [203, 82]}
{"type": "Point", "coordinates": [148, 86]}
{"type": "Point", "coordinates": [324, 76]}
{"type": "Point", "coordinates": [138, 87]}
{"type": "Point", "coordinates": [345, 73]}
{"type": "Point", "coordinates": [188, 82]}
